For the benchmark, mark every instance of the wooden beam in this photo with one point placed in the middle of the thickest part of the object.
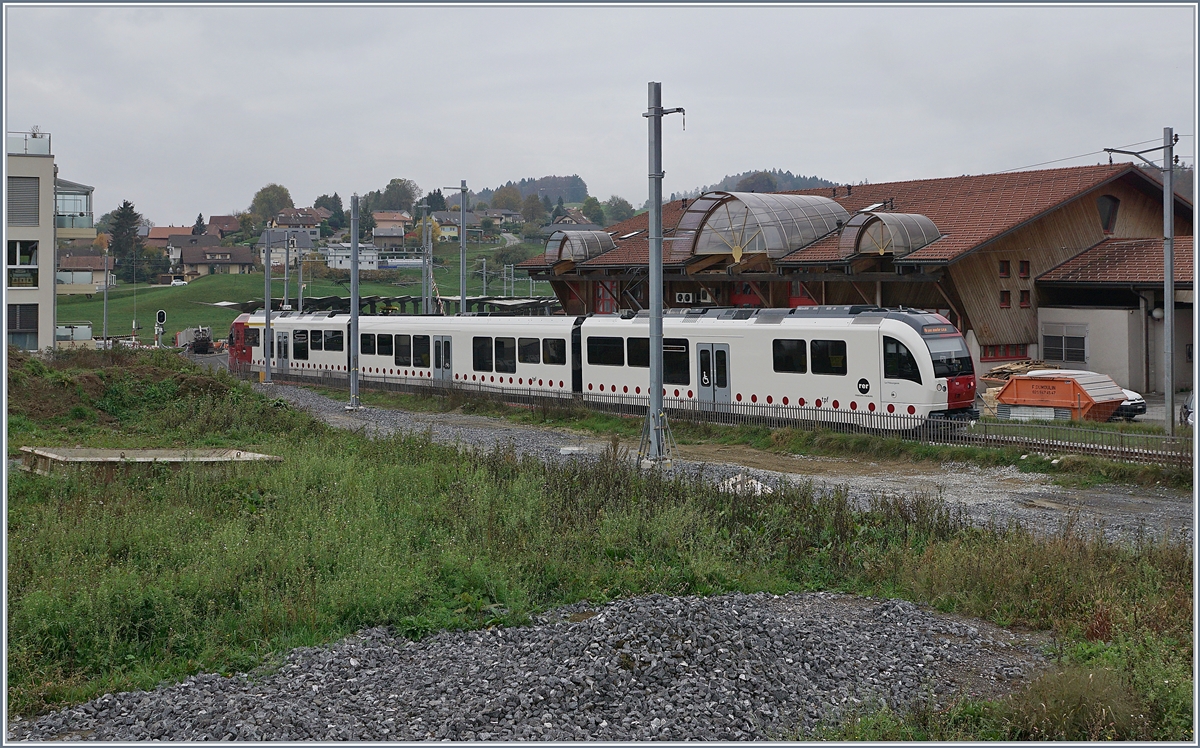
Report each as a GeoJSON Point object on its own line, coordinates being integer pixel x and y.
{"type": "Point", "coordinates": [561, 268]}
{"type": "Point", "coordinates": [703, 262]}
{"type": "Point", "coordinates": [866, 298]}
{"type": "Point", "coordinates": [754, 287]}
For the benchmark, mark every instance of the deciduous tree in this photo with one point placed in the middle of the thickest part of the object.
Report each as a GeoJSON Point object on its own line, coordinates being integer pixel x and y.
{"type": "Point", "coordinates": [269, 201]}
{"type": "Point", "coordinates": [593, 210]}
{"type": "Point", "coordinates": [532, 209]}
{"type": "Point", "coordinates": [759, 181]}
{"type": "Point", "coordinates": [507, 198]}
{"type": "Point", "coordinates": [617, 209]}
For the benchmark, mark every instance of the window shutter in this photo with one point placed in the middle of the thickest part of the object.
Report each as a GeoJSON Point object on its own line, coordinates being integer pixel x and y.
{"type": "Point", "coordinates": [22, 317]}
{"type": "Point", "coordinates": [23, 201]}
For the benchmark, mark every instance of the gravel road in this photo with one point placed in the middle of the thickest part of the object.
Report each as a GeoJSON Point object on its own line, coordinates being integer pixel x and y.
{"type": "Point", "coordinates": [735, 667]}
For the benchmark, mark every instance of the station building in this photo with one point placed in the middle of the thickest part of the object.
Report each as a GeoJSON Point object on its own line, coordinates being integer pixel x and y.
{"type": "Point", "coordinates": [1057, 264]}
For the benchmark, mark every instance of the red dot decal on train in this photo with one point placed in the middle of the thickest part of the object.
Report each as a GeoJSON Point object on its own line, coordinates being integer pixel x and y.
{"type": "Point", "coordinates": [754, 398]}
{"type": "Point", "coordinates": [625, 388]}
{"type": "Point", "coordinates": [911, 410]}
{"type": "Point", "coordinates": [602, 388]}
{"type": "Point", "coordinates": [689, 391]}
{"type": "Point", "coordinates": [589, 385]}
{"type": "Point", "coordinates": [817, 404]}
{"type": "Point", "coordinates": [493, 379]}
{"type": "Point", "coordinates": [835, 404]}
{"type": "Point", "coordinates": [521, 380]}
{"type": "Point", "coordinates": [800, 402]}
{"type": "Point", "coordinates": [785, 399]}
{"type": "Point", "coordinates": [676, 393]}
{"type": "Point", "coordinates": [510, 380]}
{"type": "Point", "coordinates": [540, 383]}
{"type": "Point", "coordinates": [637, 390]}
{"type": "Point", "coordinates": [768, 399]}
{"type": "Point", "coordinates": [853, 405]}
{"type": "Point", "coordinates": [871, 407]}
{"type": "Point", "coordinates": [560, 384]}
{"type": "Point", "coordinates": [739, 397]}
{"type": "Point", "coordinates": [891, 408]}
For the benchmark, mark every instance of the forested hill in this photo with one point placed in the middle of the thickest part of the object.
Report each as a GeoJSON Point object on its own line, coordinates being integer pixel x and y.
{"type": "Point", "coordinates": [774, 180]}
{"type": "Point", "coordinates": [571, 189]}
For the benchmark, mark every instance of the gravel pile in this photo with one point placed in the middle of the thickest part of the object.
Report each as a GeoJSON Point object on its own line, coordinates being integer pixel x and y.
{"type": "Point", "coordinates": [735, 667]}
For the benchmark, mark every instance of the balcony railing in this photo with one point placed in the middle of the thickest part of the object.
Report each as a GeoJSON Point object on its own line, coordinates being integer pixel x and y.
{"type": "Point", "coordinates": [29, 143]}
{"type": "Point", "coordinates": [73, 221]}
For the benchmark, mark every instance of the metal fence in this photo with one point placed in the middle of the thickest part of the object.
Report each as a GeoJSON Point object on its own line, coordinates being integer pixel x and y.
{"type": "Point", "coordinates": [1038, 438]}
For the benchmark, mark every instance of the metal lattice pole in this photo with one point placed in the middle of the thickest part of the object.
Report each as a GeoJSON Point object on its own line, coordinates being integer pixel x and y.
{"type": "Point", "coordinates": [353, 303]}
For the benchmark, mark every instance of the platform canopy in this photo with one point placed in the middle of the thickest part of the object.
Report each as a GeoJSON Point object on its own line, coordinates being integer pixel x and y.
{"type": "Point", "coordinates": [737, 223]}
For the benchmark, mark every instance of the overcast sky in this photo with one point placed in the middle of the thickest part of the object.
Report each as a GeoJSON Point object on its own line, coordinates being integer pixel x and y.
{"type": "Point", "coordinates": [186, 110]}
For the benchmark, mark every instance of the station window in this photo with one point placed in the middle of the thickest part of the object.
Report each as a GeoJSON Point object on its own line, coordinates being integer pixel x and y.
{"type": "Point", "coordinates": [300, 345]}
{"type": "Point", "coordinates": [384, 345]}
{"type": "Point", "coordinates": [604, 351]}
{"type": "Point", "coordinates": [314, 340]}
{"type": "Point", "coordinates": [1025, 301]}
{"type": "Point", "coordinates": [22, 264]}
{"type": "Point", "coordinates": [481, 354]}
{"type": "Point", "coordinates": [1061, 342]}
{"type": "Point", "coordinates": [333, 340]}
{"type": "Point", "coordinates": [829, 357]}
{"type": "Point", "coordinates": [366, 343]}
{"type": "Point", "coordinates": [1007, 352]}
{"type": "Point", "coordinates": [554, 351]}
{"type": "Point", "coordinates": [1023, 268]}
{"type": "Point", "coordinates": [1108, 205]}
{"type": "Point", "coordinates": [1005, 299]}
{"type": "Point", "coordinates": [1005, 269]}
{"type": "Point", "coordinates": [529, 350]}
{"type": "Point", "coordinates": [506, 355]}
{"type": "Point", "coordinates": [789, 356]}
{"type": "Point", "coordinates": [403, 345]}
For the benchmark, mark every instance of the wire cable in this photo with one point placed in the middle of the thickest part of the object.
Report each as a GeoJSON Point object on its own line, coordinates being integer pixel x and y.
{"type": "Point", "coordinates": [1069, 158]}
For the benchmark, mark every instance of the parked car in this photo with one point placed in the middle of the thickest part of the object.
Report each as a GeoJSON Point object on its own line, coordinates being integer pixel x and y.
{"type": "Point", "coordinates": [1187, 413]}
{"type": "Point", "coordinates": [178, 282]}
{"type": "Point", "coordinates": [1133, 406]}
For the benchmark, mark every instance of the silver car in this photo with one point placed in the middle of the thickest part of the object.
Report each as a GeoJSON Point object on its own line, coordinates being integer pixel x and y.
{"type": "Point", "coordinates": [1187, 413]}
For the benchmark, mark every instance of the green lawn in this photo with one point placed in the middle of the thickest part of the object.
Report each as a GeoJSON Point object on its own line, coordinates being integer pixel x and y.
{"type": "Point", "coordinates": [190, 305]}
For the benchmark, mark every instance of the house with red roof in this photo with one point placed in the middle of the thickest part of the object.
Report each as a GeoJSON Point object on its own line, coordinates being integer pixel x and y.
{"type": "Point", "coordinates": [979, 249]}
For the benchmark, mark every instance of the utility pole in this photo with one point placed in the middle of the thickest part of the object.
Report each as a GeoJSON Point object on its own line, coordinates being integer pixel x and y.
{"type": "Point", "coordinates": [300, 285]}
{"type": "Point", "coordinates": [654, 449]}
{"type": "Point", "coordinates": [485, 276]}
{"type": "Point", "coordinates": [289, 241]}
{"type": "Point", "coordinates": [107, 344]}
{"type": "Point", "coordinates": [353, 303]}
{"type": "Point", "coordinates": [268, 342]}
{"type": "Point", "coordinates": [1168, 307]}
{"type": "Point", "coordinates": [425, 258]}
{"type": "Point", "coordinates": [462, 248]}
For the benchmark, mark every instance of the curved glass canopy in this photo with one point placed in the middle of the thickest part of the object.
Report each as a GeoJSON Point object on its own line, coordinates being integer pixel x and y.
{"type": "Point", "coordinates": [739, 223]}
{"type": "Point", "coordinates": [895, 234]}
{"type": "Point", "coordinates": [577, 245]}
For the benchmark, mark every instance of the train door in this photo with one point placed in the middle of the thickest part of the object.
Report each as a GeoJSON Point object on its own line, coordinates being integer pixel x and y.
{"type": "Point", "coordinates": [712, 360]}
{"type": "Point", "coordinates": [284, 350]}
{"type": "Point", "coordinates": [442, 368]}
{"type": "Point", "coordinates": [902, 386]}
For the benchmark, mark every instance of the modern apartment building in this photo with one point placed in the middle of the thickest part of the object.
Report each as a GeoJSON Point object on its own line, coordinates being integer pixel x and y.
{"type": "Point", "coordinates": [30, 239]}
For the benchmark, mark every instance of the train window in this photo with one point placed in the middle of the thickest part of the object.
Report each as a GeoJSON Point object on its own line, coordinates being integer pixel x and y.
{"type": "Point", "coordinates": [898, 361]}
{"type": "Point", "coordinates": [829, 357]}
{"type": "Point", "coordinates": [300, 345]}
{"type": "Point", "coordinates": [251, 339]}
{"type": "Point", "coordinates": [421, 351]}
{"type": "Point", "coordinates": [506, 355]}
{"type": "Point", "coordinates": [383, 345]}
{"type": "Point", "coordinates": [333, 340]}
{"type": "Point", "coordinates": [554, 351]}
{"type": "Point", "coordinates": [481, 354]}
{"type": "Point", "coordinates": [638, 350]}
{"type": "Point", "coordinates": [366, 343]}
{"type": "Point", "coordinates": [529, 351]}
{"type": "Point", "coordinates": [789, 356]}
{"type": "Point", "coordinates": [314, 340]}
{"type": "Point", "coordinates": [403, 350]}
{"type": "Point", "coordinates": [722, 359]}
{"type": "Point", "coordinates": [950, 357]}
{"type": "Point", "coordinates": [605, 351]}
{"type": "Point", "coordinates": [676, 369]}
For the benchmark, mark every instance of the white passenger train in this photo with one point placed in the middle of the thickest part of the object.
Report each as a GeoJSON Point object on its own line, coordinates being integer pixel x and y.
{"type": "Point", "coordinates": [820, 361]}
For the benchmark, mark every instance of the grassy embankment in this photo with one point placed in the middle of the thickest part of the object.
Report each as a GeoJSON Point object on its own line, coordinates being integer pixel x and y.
{"type": "Point", "coordinates": [121, 585]}
{"type": "Point", "coordinates": [1073, 470]}
{"type": "Point", "coordinates": [189, 306]}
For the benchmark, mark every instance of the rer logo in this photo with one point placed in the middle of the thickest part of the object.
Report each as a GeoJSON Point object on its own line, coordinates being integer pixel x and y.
{"type": "Point", "coordinates": [863, 386]}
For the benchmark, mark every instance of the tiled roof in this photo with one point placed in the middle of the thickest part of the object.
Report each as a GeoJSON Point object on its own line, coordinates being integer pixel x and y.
{"type": "Point", "coordinates": [86, 262]}
{"type": "Point", "coordinates": [1125, 261]}
{"type": "Point", "coordinates": [968, 210]}
{"type": "Point", "coordinates": [391, 215]}
{"type": "Point", "coordinates": [165, 232]}
{"type": "Point", "coordinates": [636, 249]}
{"type": "Point", "coordinates": [193, 240]}
{"type": "Point", "coordinates": [237, 256]}
{"type": "Point", "coordinates": [223, 223]}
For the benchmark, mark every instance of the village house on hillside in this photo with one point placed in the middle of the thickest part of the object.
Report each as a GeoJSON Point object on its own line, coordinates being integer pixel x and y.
{"type": "Point", "coordinates": [198, 261]}
{"type": "Point", "coordinates": [1027, 264]}
{"type": "Point", "coordinates": [222, 226]}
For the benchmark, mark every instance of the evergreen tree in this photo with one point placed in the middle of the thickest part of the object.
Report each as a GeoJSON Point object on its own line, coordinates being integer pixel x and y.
{"type": "Point", "coordinates": [333, 204]}
{"type": "Point", "coordinates": [125, 241]}
{"type": "Point", "coordinates": [436, 200]}
{"type": "Point", "coordinates": [200, 227]}
{"type": "Point", "coordinates": [546, 204]}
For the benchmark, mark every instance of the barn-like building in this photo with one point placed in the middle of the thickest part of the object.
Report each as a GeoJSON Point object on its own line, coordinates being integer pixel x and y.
{"type": "Point", "coordinates": [1030, 264]}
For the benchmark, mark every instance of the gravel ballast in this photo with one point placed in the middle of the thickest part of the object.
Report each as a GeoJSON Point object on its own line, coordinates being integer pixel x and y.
{"type": "Point", "coordinates": [734, 667]}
